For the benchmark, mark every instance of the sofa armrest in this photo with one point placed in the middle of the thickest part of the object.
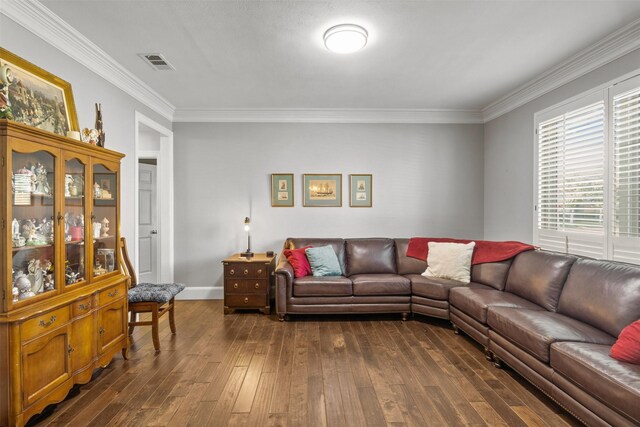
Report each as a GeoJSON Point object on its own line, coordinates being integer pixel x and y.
{"type": "Point", "coordinates": [284, 285]}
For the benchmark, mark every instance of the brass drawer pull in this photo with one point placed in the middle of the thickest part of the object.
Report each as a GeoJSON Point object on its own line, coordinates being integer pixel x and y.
{"type": "Point", "coordinates": [49, 323]}
{"type": "Point", "coordinates": [246, 271]}
{"type": "Point", "coordinates": [84, 306]}
{"type": "Point", "coordinates": [235, 286]}
{"type": "Point", "coordinates": [257, 285]}
{"type": "Point", "coordinates": [260, 271]}
{"type": "Point", "coordinates": [113, 294]}
{"type": "Point", "coordinates": [246, 300]}
{"type": "Point", "coordinates": [232, 272]}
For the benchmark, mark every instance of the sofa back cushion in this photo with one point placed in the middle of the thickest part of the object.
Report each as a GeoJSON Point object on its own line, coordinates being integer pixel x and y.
{"type": "Point", "coordinates": [492, 274]}
{"type": "Point", "coordinates": [538, 276]}
{"type": "Point", "coordinates": [370, 256]}
{"type": "Point", "coordinates": [337, 244]}
{"type": "Point", "coordinates": [406, 264]}
{"type": "Point", "coordinates": [604, 294]}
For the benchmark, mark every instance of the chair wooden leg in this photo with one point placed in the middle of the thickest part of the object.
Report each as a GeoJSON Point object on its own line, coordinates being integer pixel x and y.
{"type": "Point", "coordinates": [172, 318]}
{"type": "Point", "coordinates": [154, 327]}
{"type": "Point", "coordinates": [133, 318]}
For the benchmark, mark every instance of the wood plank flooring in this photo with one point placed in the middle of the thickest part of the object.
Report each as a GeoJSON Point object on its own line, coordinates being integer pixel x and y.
{"type": "Point", "coordinates": [248, 369]}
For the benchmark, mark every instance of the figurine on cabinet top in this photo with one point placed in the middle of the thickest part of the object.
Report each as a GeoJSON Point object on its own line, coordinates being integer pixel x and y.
{"type": "Point", "coordinates": [99, 126]}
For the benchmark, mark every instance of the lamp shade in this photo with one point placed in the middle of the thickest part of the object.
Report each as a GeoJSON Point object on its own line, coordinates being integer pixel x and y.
{"type": "Point", "coordinates": [345, 38]}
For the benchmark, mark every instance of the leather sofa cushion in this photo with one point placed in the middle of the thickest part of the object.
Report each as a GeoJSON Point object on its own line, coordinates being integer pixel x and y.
{"type": "Point", "coordinates": [493, 274]}
{"type": "Point", "coordinates": [370, 256]}
{"type": "Point", "coordinates": [535, 330]}
{"type": "Point", "coordinates": [538, 276]}
{"type": "Point", "coordinates": [590, 367]}
{"type": "Point", "coordinates": [435, 287]}
{"type": "Point", "coordinates": [476, 299]}
{"type": "Point", "coordinates": [337, 244]}
{"type": "Point", "coordinates": [380, 284]}
{"type": "Point", "coordinates": [406, 264]}
{"type": "Point", "coordinates": [604, 294]}
{"type": "Point", "coordinates": [322, 286]}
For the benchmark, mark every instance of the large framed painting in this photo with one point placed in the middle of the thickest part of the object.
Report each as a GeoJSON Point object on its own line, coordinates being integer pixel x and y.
{"type": "Point", "coordinates": [35, 97]}
{"type": "Point", "coordinates": [360, 190]}
{"type": "Point", "coordinates": [322, 190]}
{"type": "Point", "coordinates": [282, 190]}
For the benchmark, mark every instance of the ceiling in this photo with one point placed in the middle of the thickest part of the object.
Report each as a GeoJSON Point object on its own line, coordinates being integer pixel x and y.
{"type": "Point", "coordinates": [269, 54]}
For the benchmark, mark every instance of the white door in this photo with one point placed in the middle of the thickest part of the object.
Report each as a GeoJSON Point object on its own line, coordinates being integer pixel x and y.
{"type": "Point", "coordinates": [148, 224]}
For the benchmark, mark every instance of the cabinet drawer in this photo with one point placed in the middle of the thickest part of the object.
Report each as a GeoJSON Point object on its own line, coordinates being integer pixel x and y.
{"type": "Point", "coordinates": [44, 323]}
{"type": "Point", "coordinates": [241, 270]}
{"type": "Point", "coordinates": [82, 306]}
{"type": "Point", "coordinates": [109, 295]}
{"type": "Point", "coordinates": [247, 300]}
{"type": "Point", "coordinates": [244, 286]}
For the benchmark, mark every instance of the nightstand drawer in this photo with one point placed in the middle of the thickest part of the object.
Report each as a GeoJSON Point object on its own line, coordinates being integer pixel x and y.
{"type": "Point", "coordinates": [245, 286]}
{"type": "Point", "coordinates": [240, 270]}
{"type": "Point", "coordinates": [246, 300]}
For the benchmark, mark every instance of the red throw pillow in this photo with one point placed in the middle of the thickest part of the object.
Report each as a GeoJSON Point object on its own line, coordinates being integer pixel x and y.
{"type": "Point", "coordinates": [627, 348]}
{"type": "Point", "coordinates": [298, 260]}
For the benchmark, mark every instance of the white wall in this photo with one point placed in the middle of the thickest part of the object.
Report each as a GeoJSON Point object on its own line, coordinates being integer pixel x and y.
{"type": "Point", "coordinates": [427, 181]}
{"type": "Point", "coordinates": [508, 155]}
{"type": "Point", "coordinates": [88, 88]}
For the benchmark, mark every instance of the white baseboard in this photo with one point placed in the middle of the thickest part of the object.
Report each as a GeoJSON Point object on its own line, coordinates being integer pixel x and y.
{"type": "Point", "coordinates": [201, 292]}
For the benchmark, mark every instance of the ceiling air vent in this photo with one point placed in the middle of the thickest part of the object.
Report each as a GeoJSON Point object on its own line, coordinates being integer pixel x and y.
{"type": "Point", "coordinates": [156, 61]}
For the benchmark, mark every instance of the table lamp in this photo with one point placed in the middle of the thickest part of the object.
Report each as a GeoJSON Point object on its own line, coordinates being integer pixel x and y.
{"type": "Point", "coordinates": [247, 228]}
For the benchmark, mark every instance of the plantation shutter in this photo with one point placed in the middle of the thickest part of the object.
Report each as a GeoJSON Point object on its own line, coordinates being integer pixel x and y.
{"type": "Point", "coordinates": [571, 172]}
{"type": "Point", "coordinates": [626, 172]}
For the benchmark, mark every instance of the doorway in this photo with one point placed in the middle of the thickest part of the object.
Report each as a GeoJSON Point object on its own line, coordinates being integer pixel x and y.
{"type": "Point", "coordinates": [153, 201]}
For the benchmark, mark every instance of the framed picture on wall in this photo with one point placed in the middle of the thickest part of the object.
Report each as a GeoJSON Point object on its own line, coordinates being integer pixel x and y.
{"type": "Point", "coordinates": [282, 190]}
{"type": "Point", "coordinates": [34, 96]}
{"type": "Point", "coordinates": [360, 190]}
{"type": "Point", "coordinates": [322, 190]}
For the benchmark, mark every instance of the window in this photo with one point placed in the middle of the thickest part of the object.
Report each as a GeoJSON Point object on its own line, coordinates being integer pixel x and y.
{"type": "Point", "coordinates": [588, 174]}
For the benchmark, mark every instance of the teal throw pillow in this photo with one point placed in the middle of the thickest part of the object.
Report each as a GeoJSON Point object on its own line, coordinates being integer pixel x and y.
{"type": "Point", "coordinates": [323, 261]}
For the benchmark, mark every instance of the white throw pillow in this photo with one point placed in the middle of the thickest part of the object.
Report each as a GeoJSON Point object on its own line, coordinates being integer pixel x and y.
{"type": "Point", "coordinates": [450, 261]}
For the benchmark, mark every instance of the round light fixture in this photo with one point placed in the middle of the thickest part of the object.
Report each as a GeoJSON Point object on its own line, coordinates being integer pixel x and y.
{"type": "Point", "coordinates": [345, 38]}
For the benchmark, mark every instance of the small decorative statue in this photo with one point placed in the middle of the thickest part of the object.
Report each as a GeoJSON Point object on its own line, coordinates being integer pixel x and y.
{"type": "Point", "coordinates": [97, 191]}
{"type": "Point", "coordinates": [98, 126]}
{"type": "Point", "coordinates": [36, 276]}
{"type": "Point", "coordinates": [49, 284]}
{"type": "Point", "coordinates": [105, 227]}
{"type": "Point", "coordinates": [23, 285]}
{"type": "Point", "coordinates": [68, 182]}
{"type": "Point", "coordinates": [71, 277]}
{"type": "Point", "coordinates": [40, 179]}
{"type": "Point", "coordinates": [15, 292]}
{"type": "Point", "coordinates": [15, 228]}
{"type": "Point", "coordinates": [96, 229]}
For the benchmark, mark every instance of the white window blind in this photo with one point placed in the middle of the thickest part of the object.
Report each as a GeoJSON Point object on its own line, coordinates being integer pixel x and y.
{"type": "Point", "coordinates": [588, 174]}
{"type": "Point", "coordinates": [571, 160]}
{"type": "Point", "coordinates": [626, 174]}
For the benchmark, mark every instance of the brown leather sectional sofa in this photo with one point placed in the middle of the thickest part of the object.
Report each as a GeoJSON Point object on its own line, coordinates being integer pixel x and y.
{"type": "Point", "coordinates": [551, 317]}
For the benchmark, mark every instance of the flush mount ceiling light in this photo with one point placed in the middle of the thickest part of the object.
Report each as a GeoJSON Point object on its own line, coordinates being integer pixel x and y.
{"type": "Point", "coordinates": [345, 38]}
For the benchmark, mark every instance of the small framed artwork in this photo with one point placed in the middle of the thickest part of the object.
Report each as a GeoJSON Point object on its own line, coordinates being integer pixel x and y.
{"type": "Point", "coordinates": [35, 97]}
{"type": "Point", "coordinates": [360, 190]}
{"type": "Point", "coordinates": [322, 190]}
{"type": "Point", "coordinates": [282, 190]}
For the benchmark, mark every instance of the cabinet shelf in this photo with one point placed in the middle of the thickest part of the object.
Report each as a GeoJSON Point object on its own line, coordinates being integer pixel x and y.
{"type": "Point", "coordinates": [27, 247]}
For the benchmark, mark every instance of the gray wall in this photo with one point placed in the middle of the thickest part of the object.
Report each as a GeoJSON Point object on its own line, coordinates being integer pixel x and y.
{"type": "Point", "coordinates": [427, 181]}
{"type": "Point", "coordinates": [88, 88]}
{"type": "Point", "coordinates": [509, 149]}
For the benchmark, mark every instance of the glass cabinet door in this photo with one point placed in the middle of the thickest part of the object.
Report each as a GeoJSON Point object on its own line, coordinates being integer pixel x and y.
{"type": "Point", "coordinates": [33, 222]}
{"type": "Point", "coordinates": [104, 219]}
{"type": "Point", "coordinates": [74, 220]}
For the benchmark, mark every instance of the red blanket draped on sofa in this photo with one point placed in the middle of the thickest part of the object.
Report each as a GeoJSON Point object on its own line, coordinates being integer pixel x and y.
{"type": "Point", "coordinates": [484, 251]}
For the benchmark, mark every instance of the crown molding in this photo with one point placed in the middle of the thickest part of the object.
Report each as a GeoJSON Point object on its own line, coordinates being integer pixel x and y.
{"type": "Point", "coordinates": [612, 47]}
{"type": "Point", "coordinates": [327, 115]}
{"type": "Point", "coordinates": [42, 22]}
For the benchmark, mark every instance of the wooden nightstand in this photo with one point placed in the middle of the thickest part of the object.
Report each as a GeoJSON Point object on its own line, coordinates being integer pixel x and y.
{"type": "Point", "coordinates": [248, 282]}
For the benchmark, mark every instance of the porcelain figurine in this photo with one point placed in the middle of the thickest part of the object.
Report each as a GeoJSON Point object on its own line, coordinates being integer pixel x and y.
{"type": "Point", "coordinates": [72, 277]}
{"type": "Point", "coordinates": [96, 229]}
{"type": "Point", "coordinates": [36, 276]}
{"type": "Point", "coordinates": [97, 191]}
{"type": "Point", "coordinates": [23, 285]}
{"type": "Point", "coordinates": [15, 228]}
{"type": "Point", "coordinates": [41, 182]}
{"type": "Point", "coordinates": [15, 292]}
{"type": "Point", "coordinates": [105, 227]}
{"type": "Point", "coordinates": [68, 182]}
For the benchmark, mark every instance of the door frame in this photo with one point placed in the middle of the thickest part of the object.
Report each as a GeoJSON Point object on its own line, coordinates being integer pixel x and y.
{"type": "Point", "coordinates": [164, 183]}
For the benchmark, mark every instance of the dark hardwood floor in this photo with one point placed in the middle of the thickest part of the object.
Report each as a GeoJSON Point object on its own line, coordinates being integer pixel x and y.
{"type": "Point", "coordinates": [249, 369]}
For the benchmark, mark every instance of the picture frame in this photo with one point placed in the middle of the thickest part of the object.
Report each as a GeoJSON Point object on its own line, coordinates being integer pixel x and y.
{"type": "Point", "coordinates": [322, 190]}
{"type": "Point", "coordinates": [282, 195]}
{"type": "Point", "coordinates": [360, 190]}
{"type": "Point", "coordinates": [53, 109]}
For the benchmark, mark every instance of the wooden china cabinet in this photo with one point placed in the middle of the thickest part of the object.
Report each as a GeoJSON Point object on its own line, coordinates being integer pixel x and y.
{"type": "Point", "coordinates": [63, 309]}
